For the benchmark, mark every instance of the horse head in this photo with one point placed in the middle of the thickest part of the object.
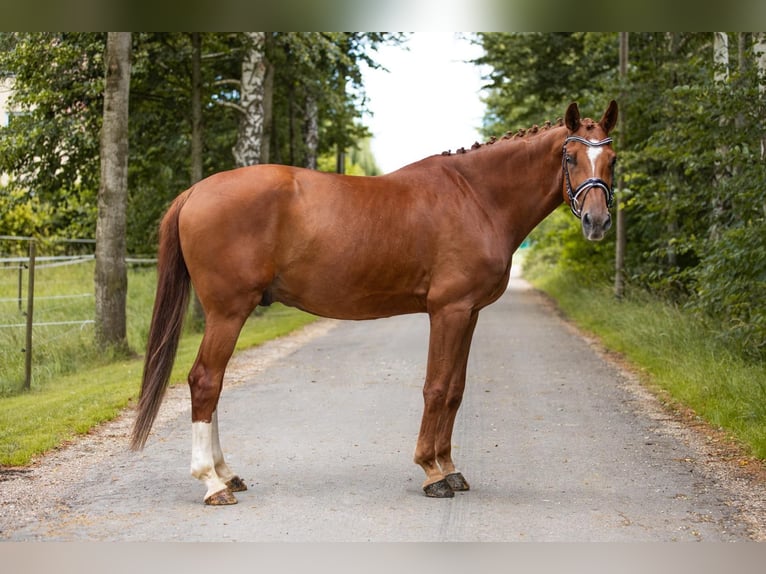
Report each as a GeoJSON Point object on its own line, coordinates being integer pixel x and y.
{"type": "Point", "coordinates": [588, 163]}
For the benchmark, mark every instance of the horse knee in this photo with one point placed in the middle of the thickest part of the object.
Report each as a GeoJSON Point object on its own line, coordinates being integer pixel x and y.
{"type": "Point", "coordinates": [453, 401]}
{"type": "Point", "coordinates": [434, 394]}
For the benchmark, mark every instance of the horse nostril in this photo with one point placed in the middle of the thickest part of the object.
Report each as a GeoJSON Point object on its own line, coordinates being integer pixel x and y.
{"type": "Point", "coordinates": [586, 219]}
{"type": "Point", "coordinates": [608, 222]}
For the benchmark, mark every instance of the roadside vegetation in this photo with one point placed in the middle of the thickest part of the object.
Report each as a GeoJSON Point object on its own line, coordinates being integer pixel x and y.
{"type": "Point", "coordinates": [691, 311]}
{"type": "Point", "coordinates": [74, 387]}
{"type": "Point", "coordinates": [675, 351]}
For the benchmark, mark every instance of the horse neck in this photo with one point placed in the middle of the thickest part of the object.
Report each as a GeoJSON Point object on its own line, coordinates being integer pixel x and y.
{"type": "Point", "coordinates": [520, 179]}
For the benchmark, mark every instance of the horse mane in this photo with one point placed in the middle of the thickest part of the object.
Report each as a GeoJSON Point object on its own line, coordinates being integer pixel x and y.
{"type": "Point", "coordinates": [510, 135]}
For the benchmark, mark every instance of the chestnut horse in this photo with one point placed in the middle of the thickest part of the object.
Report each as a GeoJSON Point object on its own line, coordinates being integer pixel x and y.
{"type": "Point", "coordinates": [436, 237]}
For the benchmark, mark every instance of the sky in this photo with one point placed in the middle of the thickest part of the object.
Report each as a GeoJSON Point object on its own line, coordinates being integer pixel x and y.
{"type": "Point", "coordinates": [429, 101]}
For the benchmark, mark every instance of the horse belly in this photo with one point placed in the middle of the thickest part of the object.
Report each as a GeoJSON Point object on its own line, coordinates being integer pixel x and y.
{"type": "Point", "coordinates": [348, 292]}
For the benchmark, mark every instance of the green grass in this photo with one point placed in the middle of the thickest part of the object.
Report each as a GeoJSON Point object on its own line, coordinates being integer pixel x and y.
{"type": "Point", "coordinates": [63, 294]}
{"type": "Point", "coordinates": [676, 353]}
{"type": "Point", "coordinates": [74, 387]}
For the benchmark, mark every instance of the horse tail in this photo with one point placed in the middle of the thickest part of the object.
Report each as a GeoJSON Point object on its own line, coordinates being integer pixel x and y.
{"type": "Point", "coordinates": [170, 303]}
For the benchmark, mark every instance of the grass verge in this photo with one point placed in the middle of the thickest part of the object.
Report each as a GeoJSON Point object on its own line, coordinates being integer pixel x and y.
{"type": "Point", "coordinates": [675, 352]}
{"type": "Point", "coordinates": [35, 422]}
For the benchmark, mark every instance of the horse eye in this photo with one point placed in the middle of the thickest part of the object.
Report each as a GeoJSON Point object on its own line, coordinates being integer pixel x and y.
{"type": "Point", "coordinates": [571, 160]}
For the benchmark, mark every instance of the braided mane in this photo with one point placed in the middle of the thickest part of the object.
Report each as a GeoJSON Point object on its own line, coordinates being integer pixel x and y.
{"type": "Point", "coordinates": [518, 134]}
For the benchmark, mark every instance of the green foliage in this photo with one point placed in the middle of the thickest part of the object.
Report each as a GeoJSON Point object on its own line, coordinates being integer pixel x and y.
{"type": "Point", "coordinates": [534, 76]}
{"type": "Point", "coordinates": [50, 149]}
{"type": "Point", "coordinates": [730, 285]}
{"type": "Point", "coordinates": [50, 146]}
{"type": "Point", "coordinates": [674, 351]}
{"type": "Point", "coordinates": [323, 67]}
{"type": "Point", "coordinates": [689, 151]}
{"type": "Point", "coordinates": [558, 241]}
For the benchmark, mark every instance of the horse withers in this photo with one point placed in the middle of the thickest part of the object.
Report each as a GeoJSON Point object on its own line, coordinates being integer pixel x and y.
{"type": "Point", "coordinates": [435, 236]}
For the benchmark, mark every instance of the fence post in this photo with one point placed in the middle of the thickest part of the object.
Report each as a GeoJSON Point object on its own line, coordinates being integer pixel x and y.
{"type": "Point", "coordinates": [21, 278]}
{"type": "Point", "coordinates": [30, 309]}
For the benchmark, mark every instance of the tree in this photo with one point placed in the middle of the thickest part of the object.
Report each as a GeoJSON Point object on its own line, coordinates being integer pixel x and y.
{"type": "Point", "coordinates": [247, 150]}
{"type": "Point", "coordinates": [691, 163]}
{"type": "Point", "coordinates": [111, 275]}
{"type": "Point", "coordinates": [50, 146]}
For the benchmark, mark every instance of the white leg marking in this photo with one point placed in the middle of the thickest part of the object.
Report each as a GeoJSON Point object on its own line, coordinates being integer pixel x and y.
{"type": "Point", "coordinates": [221, 468]}
{"type": "Point", "coordinates": [202, 464]}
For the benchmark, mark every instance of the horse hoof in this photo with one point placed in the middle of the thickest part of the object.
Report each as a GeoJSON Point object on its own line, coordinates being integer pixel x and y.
{"type": "Point", "coordinates": [439, 489]}
{"type": "Point", "coordinates": [221, 498]}
{"type": "Point", "coordinates": [457, 482]}
{"type": "Point", "coordinates": [236, 484]}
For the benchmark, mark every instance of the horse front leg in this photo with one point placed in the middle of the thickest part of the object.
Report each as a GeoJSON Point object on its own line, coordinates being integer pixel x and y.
{"type": "Point", "coordinates": [449, 345]}
{"type": "Point", "coordinates": [453, 400]}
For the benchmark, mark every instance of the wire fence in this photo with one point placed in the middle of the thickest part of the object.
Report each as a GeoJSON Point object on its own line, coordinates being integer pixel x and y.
{"type": "Point", "coordinates": [47, 306]}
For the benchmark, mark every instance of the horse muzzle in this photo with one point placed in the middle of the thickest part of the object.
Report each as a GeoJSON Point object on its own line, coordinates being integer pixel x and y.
{"type": "Point", "coordinates": [595, 224]}
{"type": "Point", "coordinates": [596, 220]}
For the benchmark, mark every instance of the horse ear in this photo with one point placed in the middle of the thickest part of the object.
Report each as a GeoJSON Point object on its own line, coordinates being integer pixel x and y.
{"type": "Point", "coordinates": [610, 117]}
{"type": "Point", "coordinates": [572, 117]}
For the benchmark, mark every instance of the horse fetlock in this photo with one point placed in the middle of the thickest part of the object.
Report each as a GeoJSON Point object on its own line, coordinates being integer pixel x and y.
{"type": "Point", "coordinates": [236, 484]}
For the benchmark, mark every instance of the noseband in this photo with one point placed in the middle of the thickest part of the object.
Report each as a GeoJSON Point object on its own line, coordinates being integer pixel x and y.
{"type": "Point", "coordinates": [588, 184]}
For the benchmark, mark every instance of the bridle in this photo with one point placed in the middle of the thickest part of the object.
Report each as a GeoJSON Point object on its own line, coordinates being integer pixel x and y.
{"type": "Point", "coordinates": [588, 184]}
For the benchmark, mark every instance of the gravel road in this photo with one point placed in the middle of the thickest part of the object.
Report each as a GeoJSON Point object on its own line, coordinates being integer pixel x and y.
{"type": "Point", "coordinates": [557, 441]}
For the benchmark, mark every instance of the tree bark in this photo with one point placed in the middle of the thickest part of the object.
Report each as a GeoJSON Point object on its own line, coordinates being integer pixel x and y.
{"type": "Point", "coordinates": [111, 280]}
{"type": "Point", "coordinates": [621, 243]}
{"type": "Point", "coordinates": [196, 111]}
{"type": "Point", "coordinates": [720, 77]}
{"type": "Point", "coordinates": [268, 112]}
{"type": "Point", "coordinates": [247, 150]}
{"type": "Point", "coordinates": [312, 132]}
{"type": "Point", "coordinates": [760, 61]}
{"type": "Point", "coordinates": [198, 313]}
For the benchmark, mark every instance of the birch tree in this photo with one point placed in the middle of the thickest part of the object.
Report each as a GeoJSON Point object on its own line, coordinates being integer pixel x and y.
{"type": "Point", "coordinates": [111, 275]}
{"type": "Point", "coordinates": [760, 62]}
{"type": "Point", "coordinates": [247, 150]}
{"type": "Point", "coordinates": [721, 78]}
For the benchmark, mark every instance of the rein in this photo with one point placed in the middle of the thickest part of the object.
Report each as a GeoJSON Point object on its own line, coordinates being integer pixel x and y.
{"type": "Point", "coordinates": [588, 184]}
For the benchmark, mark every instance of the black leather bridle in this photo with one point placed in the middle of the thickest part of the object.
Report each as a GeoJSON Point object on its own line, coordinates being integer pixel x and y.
{"type": "Point", "coordinates": [574, 195]}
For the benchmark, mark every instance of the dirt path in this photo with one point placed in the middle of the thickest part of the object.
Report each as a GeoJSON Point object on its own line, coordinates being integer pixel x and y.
{"type": "Point", "coordinates": [558, 443]}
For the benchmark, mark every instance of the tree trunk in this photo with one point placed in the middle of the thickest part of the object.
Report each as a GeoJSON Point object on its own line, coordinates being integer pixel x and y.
{"type": "Point", "coordinates": [720, 77]}
{"type": "Point", "coordinates": [721, 56]}
{"type": "Point", "coordinates": [247, 150]}
{"type": "Point", "coordinates": [111, 275]}
{"type": "Point", "coordinates": [196, 111]}
{"type": "Point", "coordinates": [196, 139]}
{"type": "Point", "coordinates": [268, 112]}
{"type": "Point", "coordinates": [312, 131]}
{"type": "Point", "coordinates": [760, 61]}
{"type": "Point", "coordinates": [621, 243]}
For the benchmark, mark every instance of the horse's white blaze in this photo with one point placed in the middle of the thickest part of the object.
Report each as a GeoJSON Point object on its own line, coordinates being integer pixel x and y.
{"type": "Point", "coordinates": [593, 153]}
{"type": "Point", "coordinates": [204, 435]}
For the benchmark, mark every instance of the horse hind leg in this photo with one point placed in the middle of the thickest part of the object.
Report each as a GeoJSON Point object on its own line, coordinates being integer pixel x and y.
{"type": "Point", "coordinates": [233, 482]}
{"type": "Point", "coordinates": [205, 383]}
